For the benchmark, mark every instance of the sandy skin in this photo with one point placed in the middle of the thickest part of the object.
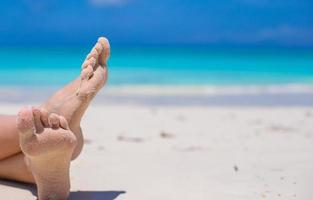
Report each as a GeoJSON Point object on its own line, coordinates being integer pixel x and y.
{"type": "Point", "coordinates": [48, 151]}
{"type": "Point", "coordinates": [43, 140]}
{"type": "Point", "coordinates": [73, 100]}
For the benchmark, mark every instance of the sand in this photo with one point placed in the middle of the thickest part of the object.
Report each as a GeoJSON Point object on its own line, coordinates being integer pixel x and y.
{"type": "Point", "coordinates": [168, 152]}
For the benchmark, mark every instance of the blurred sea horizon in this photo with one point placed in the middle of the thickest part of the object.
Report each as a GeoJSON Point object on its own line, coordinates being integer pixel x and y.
{"type": "Point", "coordinates": [161, 66]}
{"type": "Point", "coordinates": [192, 75]}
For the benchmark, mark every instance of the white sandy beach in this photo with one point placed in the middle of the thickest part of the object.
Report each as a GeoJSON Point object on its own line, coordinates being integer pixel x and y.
{"type": "Point", "coordinates": [168, 152]}
{"type": "Point", "coordinates": [193, 100]}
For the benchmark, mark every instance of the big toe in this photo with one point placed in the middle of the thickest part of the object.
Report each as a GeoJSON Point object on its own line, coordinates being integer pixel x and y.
{"type": "Point", "coordinates": [105, 54]}
{"type": "Point", "coordinates": [25, 122]}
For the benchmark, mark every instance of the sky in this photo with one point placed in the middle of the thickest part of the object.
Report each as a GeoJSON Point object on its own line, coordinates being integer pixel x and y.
{"type": "Point", "coordinates": [287, 23]}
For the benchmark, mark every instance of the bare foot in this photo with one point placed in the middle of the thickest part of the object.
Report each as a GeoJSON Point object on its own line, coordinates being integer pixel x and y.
{"type": "Point", "coordinates": [48, 151]}
{"type": "Point", "coordinates": [73, 100]}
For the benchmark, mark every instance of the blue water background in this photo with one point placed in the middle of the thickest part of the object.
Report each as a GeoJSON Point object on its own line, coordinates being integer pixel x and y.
{"type": "Point", "coordinates": [184, 65]}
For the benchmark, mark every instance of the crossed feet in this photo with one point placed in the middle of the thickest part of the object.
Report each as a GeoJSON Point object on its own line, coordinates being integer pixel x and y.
{"type": "Point", "coordinates": [51, 136]}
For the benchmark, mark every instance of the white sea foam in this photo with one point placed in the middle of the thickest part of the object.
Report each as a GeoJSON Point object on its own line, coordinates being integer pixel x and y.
{"type": "Point", "coordinates": [210, 90]}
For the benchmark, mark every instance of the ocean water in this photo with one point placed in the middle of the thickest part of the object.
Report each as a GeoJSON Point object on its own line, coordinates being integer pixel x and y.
{"type": "Point", "coordinates": [50, 66]}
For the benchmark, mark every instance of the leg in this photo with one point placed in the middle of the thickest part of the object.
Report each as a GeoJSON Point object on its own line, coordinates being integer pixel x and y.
{"type": "Point", "coordinates": [15, 168]}
{"type": "Point", "coordinates": [66, 102]}
{"type": "Point", "coordinates": [73, 100]}
{"type": "Point", "coordinates": [9, 139]}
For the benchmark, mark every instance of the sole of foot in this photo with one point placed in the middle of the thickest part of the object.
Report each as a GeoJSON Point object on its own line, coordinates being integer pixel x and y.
{"type": "Point", "coordinates": [48, 144]}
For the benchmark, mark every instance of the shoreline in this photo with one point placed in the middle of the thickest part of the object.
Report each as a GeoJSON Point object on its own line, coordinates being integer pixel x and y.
{"type": "Point", "coordinates": [251, 95]}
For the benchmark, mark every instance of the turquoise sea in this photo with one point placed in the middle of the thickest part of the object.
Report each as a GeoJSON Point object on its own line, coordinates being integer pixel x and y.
{"type": "Point", "coordinates": [184, 65]}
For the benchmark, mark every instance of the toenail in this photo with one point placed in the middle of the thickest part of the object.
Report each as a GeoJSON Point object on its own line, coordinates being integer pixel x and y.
{"type": "Point", "coordinates": [103, 40]}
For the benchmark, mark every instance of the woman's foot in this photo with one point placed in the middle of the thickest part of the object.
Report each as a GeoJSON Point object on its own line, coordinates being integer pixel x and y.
{"type": "Point", "coordinates": [48, 150]}
{"type": "Point", "coordinates": [72, 100]}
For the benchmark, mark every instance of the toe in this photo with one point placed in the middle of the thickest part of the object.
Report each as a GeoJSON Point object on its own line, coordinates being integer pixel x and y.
{"type": "Point", "coordinates": [54, 121]}
{"type": "Point", "coordinates": [91, 61]}
{"type": "Point", "coordinates": [63, 123]}
{"type": "Point", "coordinates": [87, 73]}
{"type": "Point", "coordinates": [93, 54]}
{"type": "Point", "coordinates": [99, 78]}
{"type": "Point", "coordinates": [86, 63]}
{"type": "Point", "coordinates": [44, 117]}
{"type": "Point", "coordinates": [25, 123]}
{"type": "Point", "coordinates": [98, 47]}
{"type": "Point", "coordinates": [105, 54]}
{"type": "Point", "coordinates": [37, 120]}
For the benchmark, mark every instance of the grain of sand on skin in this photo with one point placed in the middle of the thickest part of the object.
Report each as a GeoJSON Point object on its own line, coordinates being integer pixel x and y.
{"type": "Point", "coordinates": [216, 152]}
